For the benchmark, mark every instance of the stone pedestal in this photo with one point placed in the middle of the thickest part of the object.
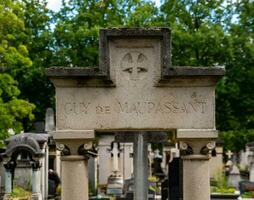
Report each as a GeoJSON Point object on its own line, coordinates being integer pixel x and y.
{"type": "Point", "coordinates": [9, 168]}
{"type": "Point", "coordinates": [74, 178]}
{"type": "Point", "coordinates": [36, 184]}
{"type": "Point", "coordinates": [8, 183]}
{"type": "Point", "coordinates": [75, 146]}
{"type": "Point", "coordinates": [196, 178]}
{"type": "Point", "coordinates": [140, 167]}
{"type": "Point", "coordinates": [196, 145]}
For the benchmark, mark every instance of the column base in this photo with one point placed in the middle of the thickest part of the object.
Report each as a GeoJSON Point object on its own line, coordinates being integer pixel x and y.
{"type": "Point", "coordinates": [36, 196]}
{"type": "Point", "coordinates": [6, 196]}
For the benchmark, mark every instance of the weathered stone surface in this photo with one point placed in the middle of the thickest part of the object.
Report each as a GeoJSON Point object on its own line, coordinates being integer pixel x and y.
{"type": "Point", "coordinates": [144, 108]}
{"type": "Point", "coordinates": [30, 142]}
{"type": "Point", "coordinates": [134, 88]}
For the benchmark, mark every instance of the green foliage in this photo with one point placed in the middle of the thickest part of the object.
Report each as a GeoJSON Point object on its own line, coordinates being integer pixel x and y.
{"type": "Point", "coordinates": [221, 185]}
{"type": "Point", "coordinates": [13, 51]}
{"type": "Point", "coordinates": [12, 110]}
{"type": "Point", "coordinates": [248, 195]}
{"type": "Point", "coordinates": [204, 33]}
{"type": "Point", "coordinates": [39, 41]}
{"type": "Point", "coordinates": [79, 21]}
{"type": "Point", "coordinates": [235, 140]}
{"type": "Point", "coordinates": [21, 193]}
{"type": "Point", "coordinates": [198, 38]}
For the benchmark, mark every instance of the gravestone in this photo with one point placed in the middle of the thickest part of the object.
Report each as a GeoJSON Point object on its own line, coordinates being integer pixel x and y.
{"type": "Point", "coordinates": [229, 164]}
{"type": "Point", "coordinates": [216, 161]}
{"type": "Point", "coordinates": [234, 177]}
{"type": "Point", "coordinates": [135, 89]}
{"type": "Point", "coordinates": [115, 180]}
{"type": "Point", "coordinates": [251, 160]}
{"type": "Point", "coordinates": [32, 147]}
{"type": "Point", "coordinates": [125, 161]}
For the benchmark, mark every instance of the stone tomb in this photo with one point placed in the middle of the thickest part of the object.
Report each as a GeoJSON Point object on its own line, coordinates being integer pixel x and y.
{"type": "Point", "coordinates": [135, 88]}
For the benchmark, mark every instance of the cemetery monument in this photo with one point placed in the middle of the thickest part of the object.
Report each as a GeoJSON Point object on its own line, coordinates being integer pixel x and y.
{"type": "Point", "coordinates": [135, 90]}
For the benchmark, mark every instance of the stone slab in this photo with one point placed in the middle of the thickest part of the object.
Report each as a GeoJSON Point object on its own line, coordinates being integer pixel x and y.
{"type": "Point", "coordinates": [141, 109]}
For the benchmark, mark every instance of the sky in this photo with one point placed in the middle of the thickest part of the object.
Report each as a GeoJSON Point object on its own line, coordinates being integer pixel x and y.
{"type": "Point", "coordinates": [56, 4]}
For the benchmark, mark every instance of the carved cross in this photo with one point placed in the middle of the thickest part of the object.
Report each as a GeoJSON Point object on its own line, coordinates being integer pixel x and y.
{"type": "Point", "coordinates": [134, 63]}
{"type": "Point", "coordinates": [229, 154]}
{"type": "Point", "coordinates": [115, 152]}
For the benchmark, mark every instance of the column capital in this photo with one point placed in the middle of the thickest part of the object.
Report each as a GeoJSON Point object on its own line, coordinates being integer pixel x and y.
{"type": "Point", "coordinates": [36, 165]}
{"type": "Point", "coordinates": [71, 142]}
{"type": "Point", "coordinates": [9, 164]}
{"type": "Point", "coordinates": [196, 143]}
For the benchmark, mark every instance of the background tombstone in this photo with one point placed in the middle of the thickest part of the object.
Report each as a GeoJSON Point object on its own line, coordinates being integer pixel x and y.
{"type": "Point", "coordinates": [216, 161]}
{"type": "Point", "coordinates": [93, 173]}
{"type": "Point", "coordinates": [229, 164]}
{"type": "Point", "coordinates": [251, 160]}
{"type": "Point", "coordinates": [244, 154]}
{"type": "Point", "coordinates": [234, 177]}
{"type": "Point", "coordinates": [105, 159]}
{"type": "Point", "coordinates": [32, 145]}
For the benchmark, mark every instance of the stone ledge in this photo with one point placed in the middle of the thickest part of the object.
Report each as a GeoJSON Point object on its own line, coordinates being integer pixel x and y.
{"type": "Point", "coordinates": [74, 72]}
{"type": "Point", "coordinates": [73, 158]}
{"type": "Point", "coordinates": [197, 133]}
{"type": "Point", "coordinates": [195, 71]}
{"type": "Point", "coordinates": [72, 134]}
{"type": "Point", "coordinates": [134, 32]}
{"type": "Point", "coordinates": [93, 72]}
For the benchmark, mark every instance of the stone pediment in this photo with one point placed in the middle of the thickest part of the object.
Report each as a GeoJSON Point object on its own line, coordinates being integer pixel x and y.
{"type": "Point", "coordinates": [29, 142]}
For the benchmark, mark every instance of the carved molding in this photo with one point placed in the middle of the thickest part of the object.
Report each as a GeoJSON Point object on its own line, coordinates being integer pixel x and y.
{"type": "Point", "coordinates": [86, 151]}
{"type": "Point", "coordinates": [185, 148]}
{"type": "Point", "coordinates": [196, 147]}
{"type": "Point", "coordinates": [36, 165]}
{"type": "Point", "coordinates": [64, 149]}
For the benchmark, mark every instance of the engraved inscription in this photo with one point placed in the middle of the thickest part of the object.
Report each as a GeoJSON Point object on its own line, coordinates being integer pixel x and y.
{"type": "Point", "coordinates": [165, 106]}
{"type": "Point", "coordinates": [76, 108]}
{"type": "Point", "coordinates": [134, 64]}
{"type": "Point", "coordinates": [103, 109]}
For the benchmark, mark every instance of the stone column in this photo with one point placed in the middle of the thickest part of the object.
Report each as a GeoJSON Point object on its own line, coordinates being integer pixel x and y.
{"type": "Point", "coordinates": [36, 181]}
{"type": "Point", "coordinates": [196, 177]}
{"type": "Point", "coordinates": [75, 147]}
{"type": "Point", "coordinates": [9, 166]}
{"type": "Point", "coordinates": [74, 177]}
{"type": "Point", "coordinates": [251, 164]}
{"type": "Point", "coordinates": [140, 154]}
{"type": "Point", "coordinates": [8, 181]}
